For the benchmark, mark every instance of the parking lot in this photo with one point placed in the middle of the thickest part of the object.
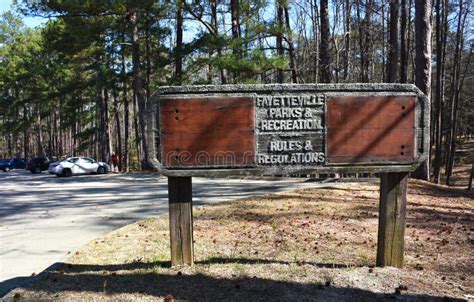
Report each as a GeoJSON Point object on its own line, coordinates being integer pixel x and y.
{"type": "Point", "coordinates": [43, 218]}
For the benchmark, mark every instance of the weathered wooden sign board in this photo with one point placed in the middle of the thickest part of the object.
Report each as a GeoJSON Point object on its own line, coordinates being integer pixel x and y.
{"type": "Point", "coordinates": [287, 129]}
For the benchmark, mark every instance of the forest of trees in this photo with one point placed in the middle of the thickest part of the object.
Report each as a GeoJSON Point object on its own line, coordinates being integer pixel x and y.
{"type": "Point", "coordinates": [80, 83]}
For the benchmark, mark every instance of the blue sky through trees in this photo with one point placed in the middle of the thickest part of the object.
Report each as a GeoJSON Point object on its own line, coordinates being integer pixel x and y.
{"type": "Point", "coordinates": [6, 5]}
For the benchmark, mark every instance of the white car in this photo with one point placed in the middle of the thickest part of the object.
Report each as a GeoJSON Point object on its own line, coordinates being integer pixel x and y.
{"type": "Point", "coordinates": [78, 165]}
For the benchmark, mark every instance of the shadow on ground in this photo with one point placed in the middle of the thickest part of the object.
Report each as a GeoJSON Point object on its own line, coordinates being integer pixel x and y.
{"type": "Point", "coordinates": [137, 280]}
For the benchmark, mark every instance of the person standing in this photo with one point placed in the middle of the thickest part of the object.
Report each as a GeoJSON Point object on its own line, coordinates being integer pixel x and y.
{"type": "Point", "coordinates": [114, 162]}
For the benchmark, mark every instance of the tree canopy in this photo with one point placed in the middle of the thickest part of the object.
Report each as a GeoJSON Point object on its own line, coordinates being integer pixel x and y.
{"type": "Point", "coordinates": [80, 83]}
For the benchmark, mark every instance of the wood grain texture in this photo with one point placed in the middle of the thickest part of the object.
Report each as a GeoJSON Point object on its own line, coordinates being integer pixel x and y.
{"type": "Point", "coordinates": [392, 215]}
{"type": "Point", "coordinates": [207, 132]}
{"type": "Point", "coordinates": [181, 220]}
{"type": "Point", "coordinates": [371, 129]}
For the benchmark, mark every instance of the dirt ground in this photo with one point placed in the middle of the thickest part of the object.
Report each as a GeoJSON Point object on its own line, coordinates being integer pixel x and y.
{"type": "Point", "coordinates": [303, 245]}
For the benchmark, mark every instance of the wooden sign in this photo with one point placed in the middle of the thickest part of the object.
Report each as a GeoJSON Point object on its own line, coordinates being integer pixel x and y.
{"type": "Point", "coordinates": [282, 129]}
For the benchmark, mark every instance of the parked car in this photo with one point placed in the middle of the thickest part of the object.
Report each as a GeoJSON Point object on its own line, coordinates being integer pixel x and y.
{"type": "Point", "coordinates": [10, 164]}
{"type": "Point", "coordinates": [38, 164]}
{"type": "Point", "coordinates": [78, 165]}
{"type": "Point", "coordinates": [18, 163]}
{"type": "Point", "coordinates": [5, 165]}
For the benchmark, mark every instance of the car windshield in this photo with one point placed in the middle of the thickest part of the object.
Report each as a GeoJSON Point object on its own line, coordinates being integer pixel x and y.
{"type": "Point", "coordinates": [72, 159]}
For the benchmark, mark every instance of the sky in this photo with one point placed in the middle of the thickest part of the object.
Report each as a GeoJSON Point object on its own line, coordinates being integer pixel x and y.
{"type": "Point", "coordinates": [29, 21]}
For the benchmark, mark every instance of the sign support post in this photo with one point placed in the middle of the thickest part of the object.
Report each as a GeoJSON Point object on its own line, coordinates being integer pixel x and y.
{"type": "Point", "coordinates": [392, 213]}
{"type": "Point", "coordinates": [181, 220]}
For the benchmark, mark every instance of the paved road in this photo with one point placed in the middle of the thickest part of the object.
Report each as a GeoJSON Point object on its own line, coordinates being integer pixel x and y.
{"type": "Point", "coordinates": [43, 218]}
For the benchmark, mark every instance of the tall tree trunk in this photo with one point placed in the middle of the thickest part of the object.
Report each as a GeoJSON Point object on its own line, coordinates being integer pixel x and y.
{"type": "Point", "coordinates": [423, 62]}
{"type": "Point", "coordinates": [148, 55]}
{"type": "Point", "coordinates": [41, 151]}
{"type": "Point", "coordinates": [10, 146]}
{"type": "Point", "coordinates": [138, 145]}
{"type": "Point", "coordinates": [347, 39]}
{"type": "Point", "coordinates": [102, 106]}
{"type": "Point", "coordinates": [384, 52]}
{"type": "Point", "coordinates": [444, 117]}
{"type": "Point", "coordinates": [456, 85]}
{"type": "Point", "coordinates": [409, 42]}
{"type": "Point", "coordinates": [49, 126]}
{"type": "Point", "coordinates": [179, 42]}
{"type": "Point", "coordinates": [368, 48]}
{"type": "Point", "coordinates": [365, 40]}
{"type": "Point", "coordinates": [439, 93]}
{"type": "Point", "coordinates": [139, 91]}
{"type": "Point", "coordinates": [236, 48]}
{"type": "Point", "coordinates": [56, 134]}
{"type": "Point", "coordinates": [102, 122]}
{"type": "Point", "coordinates": [403, 43]}
{"type": "Point", "coordinates": [315, 18]}
{"type": "Point", "coordinates": [456, 111]}
{"type": "Point", "coordinates": [25, 133]}
{"type": "Point", "coordinates": [25, 124]}
{"type": "Point", "coordinates": [75, 126]}
{"type": "Point", "coordinates": [393, 50]}
{"type": "Point", "coordinates": [126, 110]}
{"type": "Point", "coordinates": [235, 15]}
{"type": "Point", "coordinates": [61, 143]}
{"type": "Point", "coordinates": [291, 51]}
{"type": "Point", "coordinates": [215, 26]}
{"type": "Point", "coordinates": [279, 39]}
{"type": "Point", "coordinates": [118, 131]}
{"type": "Point", "coordinates": [263, 74]}
{"type": "Point", "coordinates": [325, 71]}
{"type": "Point", "coordinates": [108, 142]}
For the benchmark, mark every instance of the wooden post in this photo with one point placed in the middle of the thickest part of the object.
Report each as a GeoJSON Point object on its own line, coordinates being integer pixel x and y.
{"type": "Point", "coordinates": [392, 212]}
{"type": "Point", "coordinates": [181, 220]}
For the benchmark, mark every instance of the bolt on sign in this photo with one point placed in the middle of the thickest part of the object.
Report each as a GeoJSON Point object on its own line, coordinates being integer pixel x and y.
{"type": "Point", "coordinates": [282, 129]}
{"type": "Point", "coordinates": [289, 129]}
